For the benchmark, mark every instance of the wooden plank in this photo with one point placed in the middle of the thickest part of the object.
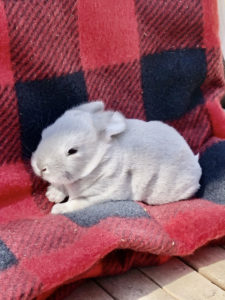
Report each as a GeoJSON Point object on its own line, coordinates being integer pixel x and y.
{"type": "Point", "coordinates": [210, 262]}
{"type": "Point", "coordinates": [133, 285]}
{"type": "Point", "coordinates": [89, 291]}
{"type": "Point", "coordinates": [182, 282]}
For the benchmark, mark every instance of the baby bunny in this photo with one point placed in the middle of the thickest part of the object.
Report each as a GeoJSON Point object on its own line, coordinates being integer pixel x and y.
{"type": "Point", "coordinates": [92, 156]}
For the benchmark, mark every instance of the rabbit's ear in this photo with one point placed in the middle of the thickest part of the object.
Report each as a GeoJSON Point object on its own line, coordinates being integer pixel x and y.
{"type": "Point", "coordinates": [109, 123]}
{"type": "Point", "coordinates": [116, 125]}
{"type": "Point", "coordinates": [92, 107]}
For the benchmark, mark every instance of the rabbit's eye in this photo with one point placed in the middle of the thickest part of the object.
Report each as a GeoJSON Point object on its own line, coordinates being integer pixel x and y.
{"type": "Point", "coordinates": [72, 151]}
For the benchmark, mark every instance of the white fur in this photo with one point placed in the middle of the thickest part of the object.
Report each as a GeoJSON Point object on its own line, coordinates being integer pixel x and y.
{"type": "Point", "coordinates": [117, 159]}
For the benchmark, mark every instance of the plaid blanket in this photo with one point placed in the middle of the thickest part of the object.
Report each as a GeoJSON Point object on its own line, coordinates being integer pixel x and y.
{"type": "Point", "coordinates": [152, 60]}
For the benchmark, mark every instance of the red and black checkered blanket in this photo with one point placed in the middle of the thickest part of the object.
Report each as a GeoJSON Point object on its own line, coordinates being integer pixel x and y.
{"type": "Point", "coordinates": [152, 60]}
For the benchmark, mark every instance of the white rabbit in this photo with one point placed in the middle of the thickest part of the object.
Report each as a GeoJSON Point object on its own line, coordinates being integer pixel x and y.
{"type": "Point", "coordinates": [92, 155]}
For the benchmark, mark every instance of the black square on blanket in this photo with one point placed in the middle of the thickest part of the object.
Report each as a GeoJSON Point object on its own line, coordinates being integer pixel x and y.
{"type": "Point", "coordinates": [41, 102]}
{"type": "Point", "coordinates": [171, 82]}
{"type": "Point", "coordinates": [7, 258]}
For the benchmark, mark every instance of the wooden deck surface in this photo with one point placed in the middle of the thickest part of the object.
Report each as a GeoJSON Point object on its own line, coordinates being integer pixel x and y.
{"type": "Point", "coordinates": [197, 277]}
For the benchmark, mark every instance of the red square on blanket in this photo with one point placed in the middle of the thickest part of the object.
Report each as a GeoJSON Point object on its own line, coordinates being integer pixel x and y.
{"type": "Point", "coordinates": [43, 38]}
{"type": "Point", "coordinates": [169, 25]}
{"type": "Point", "coordinates": [6, 75]}
{"type": "Point", "coordinates": [123, 85]}
{"type": "Point", "coordinates": [107, 25]}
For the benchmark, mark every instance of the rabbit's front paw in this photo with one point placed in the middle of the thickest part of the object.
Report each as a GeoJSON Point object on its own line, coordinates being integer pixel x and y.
{"type": "Point", "coordinates": [55, 195]}
{"type": "Point", "coordinates": [69, 206]}
{"type": "Point", "coordinates": [57, 209]}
